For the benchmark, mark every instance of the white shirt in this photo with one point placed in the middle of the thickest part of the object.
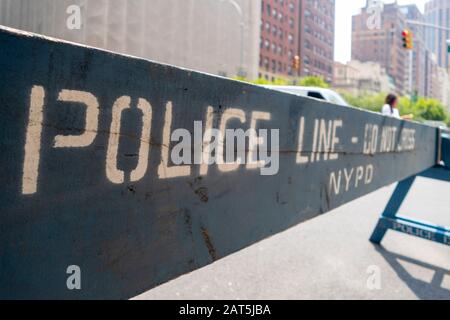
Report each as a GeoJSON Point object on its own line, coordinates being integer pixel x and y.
{"type": "Point", "coordinates": [390, 112]}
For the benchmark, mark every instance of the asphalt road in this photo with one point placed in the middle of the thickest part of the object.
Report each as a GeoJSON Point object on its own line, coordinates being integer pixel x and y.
{"type": "Point", "coordinates": [330, 257]}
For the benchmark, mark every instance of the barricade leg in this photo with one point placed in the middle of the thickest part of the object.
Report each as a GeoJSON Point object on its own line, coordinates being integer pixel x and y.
{"type": "Point", "coordinates": [391, 210]}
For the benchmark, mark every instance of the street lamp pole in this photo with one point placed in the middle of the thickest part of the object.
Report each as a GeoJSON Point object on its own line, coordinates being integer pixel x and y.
{"type": "Point", "coordinates": [238, 9]}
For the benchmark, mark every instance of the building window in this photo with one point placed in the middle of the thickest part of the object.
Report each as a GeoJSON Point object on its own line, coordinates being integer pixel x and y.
{"type": "Point", "coordinates": [291, 7]}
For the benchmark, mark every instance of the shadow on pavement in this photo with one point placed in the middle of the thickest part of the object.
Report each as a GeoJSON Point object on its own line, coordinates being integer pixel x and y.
{"type": "Point", "coordinates": [422, 289]}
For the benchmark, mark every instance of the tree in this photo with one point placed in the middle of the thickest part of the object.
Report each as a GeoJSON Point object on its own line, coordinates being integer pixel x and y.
{"type": "Point", "coordinates": [422, 109]}
{"type": "Point", "coordinates": [263, 82]}
{"type": "Point", "coordinates": [367, 102]}
{"type": "Point", "coordinates": [313, 81]}
{"type": "Point", "coordinates": [447, 120]}
{"type": "Point", "coordinates": [430, 109]}
{"type": "Point", "coordinates": [406, 106]}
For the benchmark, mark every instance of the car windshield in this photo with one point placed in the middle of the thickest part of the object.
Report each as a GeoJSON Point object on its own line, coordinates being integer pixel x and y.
{"type": "Point", "coordinates": [336, 99]}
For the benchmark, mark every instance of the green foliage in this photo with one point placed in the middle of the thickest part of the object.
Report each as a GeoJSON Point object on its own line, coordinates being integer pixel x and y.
{"type": "Point", "coordinates": [422, 109]}
{"type": "Point", "coordinates": [406, 106]}
{"type": "Point", "coordinates": [430, 109]}
{"type": "Point", "coordinates": [313, 81]}
{"type": "Point", "coordinates": [280, 82]}
{"type": "Point", "coordinates": [367, 102]}
{"type": "Point", "coordinates": [262, 81]}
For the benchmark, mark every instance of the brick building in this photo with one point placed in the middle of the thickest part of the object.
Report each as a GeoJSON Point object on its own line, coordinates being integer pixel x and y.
{"type": "Point", "coordinates": [383, 45]}
{"type": "Point", "coordinates": [279, 38]}
{"type": "Point", "coordinates": [317, 38]}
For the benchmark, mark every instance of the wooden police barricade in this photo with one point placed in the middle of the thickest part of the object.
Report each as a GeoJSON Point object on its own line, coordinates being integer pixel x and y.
{"type": "Point", "coordinates": [117, 176]}
{"type": "Point", "coordinates": [390, 220]}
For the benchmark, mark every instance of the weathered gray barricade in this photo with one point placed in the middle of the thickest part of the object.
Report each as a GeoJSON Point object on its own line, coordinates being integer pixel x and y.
{"type": "Point", "coordinates": [87, 178]}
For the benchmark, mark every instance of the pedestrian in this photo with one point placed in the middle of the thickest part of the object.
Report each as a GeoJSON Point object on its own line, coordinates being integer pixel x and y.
{"type": "Point", "coordinates": [390, 109]}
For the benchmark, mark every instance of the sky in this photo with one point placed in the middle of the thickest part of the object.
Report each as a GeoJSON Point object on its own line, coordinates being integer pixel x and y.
{"type": "Point", "coordinates": [345, 9]}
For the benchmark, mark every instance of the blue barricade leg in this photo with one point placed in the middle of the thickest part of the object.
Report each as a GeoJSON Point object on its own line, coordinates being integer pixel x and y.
{"type": "Point", "coordinates": [394, 204]}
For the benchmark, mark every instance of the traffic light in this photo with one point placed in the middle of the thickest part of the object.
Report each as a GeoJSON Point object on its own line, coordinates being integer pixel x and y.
{"type": "Point", "coordinates": [407, 37]}
{"type": "Point", "coordinates": [296, 63]}
{"type": "Point", "coordinates": [448, 45]}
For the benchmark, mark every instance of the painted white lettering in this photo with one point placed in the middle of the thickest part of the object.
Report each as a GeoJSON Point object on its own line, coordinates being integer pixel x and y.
{"type": "Point", "coordinates": [164, 171]}
{"type": "Point", "coordinates": [301, 159]}
{"type": "Point", "coordinates": [91, 123]}
{"type": "Point", "coordinates": [33, 141]}
{"type": "Point", "coordinates": [254, 141]}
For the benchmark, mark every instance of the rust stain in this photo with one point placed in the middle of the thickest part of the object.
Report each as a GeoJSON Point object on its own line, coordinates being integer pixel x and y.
{"type": "Point", "coordinates": [188, 221]}
{"type": "Point", "coordinates": [202, 193]}
{"type": "Point", "coordinates": [209, 245]}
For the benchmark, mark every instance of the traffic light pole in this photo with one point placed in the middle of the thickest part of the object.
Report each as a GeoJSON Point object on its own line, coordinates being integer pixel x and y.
{"type": "Point", "coordinates": [428, 25]}
{"type": "Point", "coordinates": [411, 61]}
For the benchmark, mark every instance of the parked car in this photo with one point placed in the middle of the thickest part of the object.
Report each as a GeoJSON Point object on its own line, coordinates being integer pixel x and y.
{"type": "Point", "coordinates": [312, 92]}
